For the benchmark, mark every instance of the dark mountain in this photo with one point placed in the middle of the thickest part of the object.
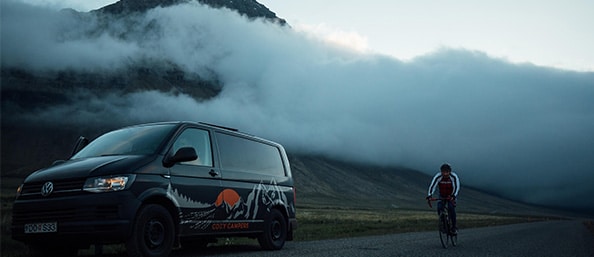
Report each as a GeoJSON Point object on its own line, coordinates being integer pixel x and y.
{"type": "Point", "coordinates": [250, 8]}
{"type": "Point", "coordinates": [21, 90]}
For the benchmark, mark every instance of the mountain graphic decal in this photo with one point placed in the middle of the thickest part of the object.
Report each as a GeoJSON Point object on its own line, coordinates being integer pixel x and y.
{"type": "Point", "coordinates": [229, 207]}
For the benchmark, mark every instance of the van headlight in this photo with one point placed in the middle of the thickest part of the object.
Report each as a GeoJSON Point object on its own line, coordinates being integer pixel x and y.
{"type": "Point", "coordinates": [19, 190]}
{"type": "Point", "coordinates": [108, 184]}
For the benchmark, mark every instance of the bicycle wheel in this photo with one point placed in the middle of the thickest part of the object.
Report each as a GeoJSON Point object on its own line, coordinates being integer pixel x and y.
{"type": "Point", "coordinates": [453, 234]}
{"type": "Point", "coordinates": [443, 230]}
{"type": "Point", "coordinates": [454, 239]}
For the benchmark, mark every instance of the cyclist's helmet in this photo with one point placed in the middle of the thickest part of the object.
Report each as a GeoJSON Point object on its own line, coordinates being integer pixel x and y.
{"type": "Point", "coordinates": [446, 167]}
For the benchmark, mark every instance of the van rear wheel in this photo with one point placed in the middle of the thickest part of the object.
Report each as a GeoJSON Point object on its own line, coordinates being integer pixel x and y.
{"type": "Point", "coordinates": [153, 233]}
{"type": "Point", "coordinates": [275, 231]}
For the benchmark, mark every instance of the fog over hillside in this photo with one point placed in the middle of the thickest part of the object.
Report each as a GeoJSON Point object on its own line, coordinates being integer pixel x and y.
{"type": "Point", "coordinates": [523, 131]}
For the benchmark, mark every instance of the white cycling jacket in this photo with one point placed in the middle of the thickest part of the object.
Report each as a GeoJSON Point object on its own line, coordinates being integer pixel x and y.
{"type": "Point", "coordinates": [444, 185]}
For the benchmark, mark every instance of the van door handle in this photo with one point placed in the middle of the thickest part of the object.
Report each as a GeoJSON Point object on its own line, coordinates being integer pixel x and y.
{"type": "Point", "coordinates": [213, 173]}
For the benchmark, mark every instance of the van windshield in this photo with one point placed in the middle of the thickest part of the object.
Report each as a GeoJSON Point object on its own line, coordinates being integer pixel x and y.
{"type": "Point", "coordinates": [143, 140]}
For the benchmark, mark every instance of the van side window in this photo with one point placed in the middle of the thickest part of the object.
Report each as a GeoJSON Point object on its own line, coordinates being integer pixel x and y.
{"type": "Point", "coordinates": [242, 154]}
{"type": "Point", "coordinates": [198, 139]}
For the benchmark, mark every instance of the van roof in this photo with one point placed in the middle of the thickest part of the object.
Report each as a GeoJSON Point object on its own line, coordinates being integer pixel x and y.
{"type": "Point", "coordinates": [219, 126]}
{"type": "Point", "coordinates": [187, 122]}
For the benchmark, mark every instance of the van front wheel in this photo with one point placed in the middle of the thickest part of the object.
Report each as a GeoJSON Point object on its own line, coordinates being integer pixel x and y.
{"type": "Point", "coordinates": [275, 231]}
{"type": "Point", "coordinates": [153, 233]}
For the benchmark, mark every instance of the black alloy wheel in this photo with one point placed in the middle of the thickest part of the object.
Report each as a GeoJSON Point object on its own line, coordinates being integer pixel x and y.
{"type": "Point", "coordinates": [153, 233]}
{"type": "Point", "coordinates": [275, 231]}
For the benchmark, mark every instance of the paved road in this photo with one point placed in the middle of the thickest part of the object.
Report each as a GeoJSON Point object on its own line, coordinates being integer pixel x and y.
{"type": "Point", "coordinates": [551, 238]}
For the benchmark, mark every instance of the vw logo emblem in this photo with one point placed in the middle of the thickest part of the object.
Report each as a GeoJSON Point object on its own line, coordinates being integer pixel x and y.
{"type": "Point", "coordinates": [47, 188]}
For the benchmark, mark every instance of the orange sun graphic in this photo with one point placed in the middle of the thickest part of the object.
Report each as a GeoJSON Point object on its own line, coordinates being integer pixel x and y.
{"type": "Point", "coordinates": [228, 196]}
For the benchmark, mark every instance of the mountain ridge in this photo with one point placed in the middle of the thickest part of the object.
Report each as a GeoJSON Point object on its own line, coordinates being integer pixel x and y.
{"type": "Point", "coordinates": [250, 8]}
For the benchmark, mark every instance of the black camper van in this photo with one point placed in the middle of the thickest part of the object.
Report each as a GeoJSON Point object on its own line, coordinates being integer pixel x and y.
{"type": "Point", "coordinates": [157, 186]}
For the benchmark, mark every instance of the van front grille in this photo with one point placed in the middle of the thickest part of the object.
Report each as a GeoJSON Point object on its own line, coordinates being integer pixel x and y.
{"type": "Point", "coordinates": [23, 216]}
{"type": "Point", "coordinates": [60, 188]}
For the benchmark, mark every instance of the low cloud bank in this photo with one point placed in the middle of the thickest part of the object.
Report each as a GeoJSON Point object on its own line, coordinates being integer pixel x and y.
{"type": "Point", "coordinates": [522, 131]}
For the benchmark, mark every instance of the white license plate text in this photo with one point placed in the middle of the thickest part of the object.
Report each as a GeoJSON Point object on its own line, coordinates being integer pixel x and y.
{"type": "Point", "coordinates": [46, 227]}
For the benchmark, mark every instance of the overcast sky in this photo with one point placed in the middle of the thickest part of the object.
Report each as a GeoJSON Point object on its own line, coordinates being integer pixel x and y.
{"type": "Point", "coordinates": [544, 32]}
{"type": "Point", "coordinates": [521, 130]}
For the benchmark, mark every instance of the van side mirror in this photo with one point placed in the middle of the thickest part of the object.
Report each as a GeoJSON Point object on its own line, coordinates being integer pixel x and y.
{"type": "Point", "coordinates": [80, 144]}
{"type": "Point", "coordinates": [184, 154]}
{"type": "Point", "coordinates": [58, 162]}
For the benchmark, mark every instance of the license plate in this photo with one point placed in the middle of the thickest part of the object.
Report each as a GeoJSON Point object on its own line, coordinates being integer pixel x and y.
{"type": "Point", "coordinates": [46, 227]}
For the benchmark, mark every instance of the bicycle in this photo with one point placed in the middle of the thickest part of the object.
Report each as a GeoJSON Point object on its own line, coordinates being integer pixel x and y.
{"type": "Point", "coordinates": [447, 234]}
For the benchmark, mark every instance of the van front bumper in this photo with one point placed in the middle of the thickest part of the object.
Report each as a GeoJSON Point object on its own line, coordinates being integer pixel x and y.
{"type": "Point", "coordinates": [85, 218]}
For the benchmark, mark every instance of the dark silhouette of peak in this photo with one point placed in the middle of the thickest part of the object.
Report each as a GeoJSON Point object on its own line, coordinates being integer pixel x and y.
{"type": "Point", "coordinates": [129, 6]}
{"type": "Point", "coordinates": [250, 8]}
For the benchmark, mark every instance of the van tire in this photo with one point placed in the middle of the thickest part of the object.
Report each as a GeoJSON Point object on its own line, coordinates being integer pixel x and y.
{"type": "Point", "coordinates": [275, 231]}
{"type": "Point", "coordinates": [153, 233]}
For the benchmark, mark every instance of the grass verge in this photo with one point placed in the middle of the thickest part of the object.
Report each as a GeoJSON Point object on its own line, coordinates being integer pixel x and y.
{"type": "Point", "coordinates": [317, 224]}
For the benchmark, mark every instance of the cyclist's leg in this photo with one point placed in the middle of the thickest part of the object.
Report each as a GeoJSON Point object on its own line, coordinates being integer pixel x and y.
{"type": "Point", "coordinates": [443, 227]}
{"type": "Point", "coordinates": [440, 207]}
{"type": "Point", "coordinates": [452, 214]}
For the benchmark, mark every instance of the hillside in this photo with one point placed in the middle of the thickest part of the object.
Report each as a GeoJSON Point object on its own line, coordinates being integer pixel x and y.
{"type": "Point", "coordinates": [325, 182]}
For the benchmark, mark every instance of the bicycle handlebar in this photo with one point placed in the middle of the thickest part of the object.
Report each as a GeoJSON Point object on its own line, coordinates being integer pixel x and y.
{"type": "Point", "coordinates": [443, 199]}
{"type": "Point", "coordinates": [431, 199]}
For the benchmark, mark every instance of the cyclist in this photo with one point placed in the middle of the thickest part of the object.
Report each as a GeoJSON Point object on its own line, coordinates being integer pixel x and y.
{"type": "Point", "coordinates": [449, 185]}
